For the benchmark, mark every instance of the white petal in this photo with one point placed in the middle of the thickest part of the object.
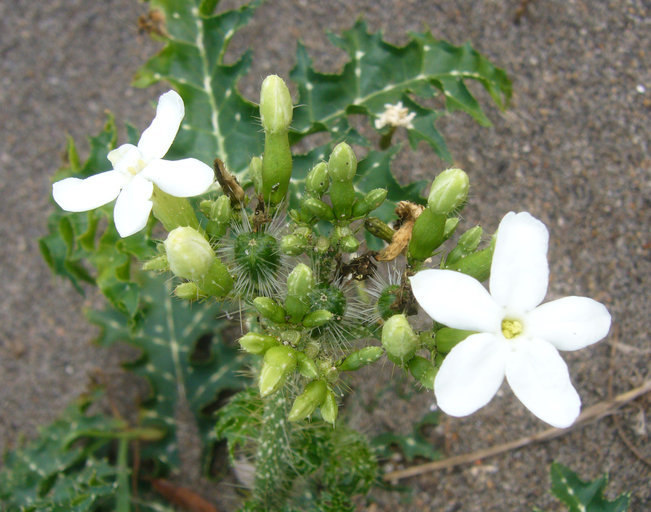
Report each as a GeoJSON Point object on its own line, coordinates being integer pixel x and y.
{"type": "Point", "coordinates": [470, 374]}
{"type": "Point", "coordinates": [456, 300]}
{"type": "Point", "coordinates": [519, 273]}
{"type": "Point", "coordinates": [157, 139]}
{"type": "Point", "coordinates": [133, 206]}
{"type": "Point", "coordinates": [76, 195]}
{"type": "Point", "coordinates": [569, 323]}
{"type": "Point", "coordinates": [540, 379]}
{"type": "Point", "coordinates": [181, 178]}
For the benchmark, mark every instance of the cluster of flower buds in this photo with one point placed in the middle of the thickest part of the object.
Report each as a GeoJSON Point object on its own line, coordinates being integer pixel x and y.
{"type": "Point", "coordinates": [301, 329]}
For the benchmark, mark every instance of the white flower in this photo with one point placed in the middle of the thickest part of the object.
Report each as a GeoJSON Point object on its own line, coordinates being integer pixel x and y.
{"type": "Point", "coordinates": [395, 115]}
{"type": "Point", "coordinates": [515, 337]}
{"type": "Point", "coordinates": [136, 170]}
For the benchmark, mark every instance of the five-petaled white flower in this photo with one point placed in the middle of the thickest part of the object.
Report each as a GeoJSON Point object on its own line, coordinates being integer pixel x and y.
{"type": "Point", "coordinates": [395, 115]}
{"type": "Point", "coordinates": [515, 337]}
{"type": "Point", "coordinates": [135, 172]}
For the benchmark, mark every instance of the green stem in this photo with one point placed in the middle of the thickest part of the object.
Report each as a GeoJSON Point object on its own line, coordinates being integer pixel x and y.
{"type": "Point", "coordinates": [123, 499]}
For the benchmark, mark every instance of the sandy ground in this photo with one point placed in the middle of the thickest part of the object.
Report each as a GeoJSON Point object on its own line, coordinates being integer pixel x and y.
{"type": "Point", "coordinates": [572, 150]}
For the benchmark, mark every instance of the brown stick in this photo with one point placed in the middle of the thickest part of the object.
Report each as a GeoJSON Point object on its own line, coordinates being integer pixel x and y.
{"type": "Point", "coordinates": [594, 412]}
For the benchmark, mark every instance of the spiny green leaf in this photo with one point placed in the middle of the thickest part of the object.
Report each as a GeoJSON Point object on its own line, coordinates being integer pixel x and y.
{"type": "Point", "coordinates": [60, 470]}
{"type": "Point", "coordinates": [380, 73]}
{"type": "Point", "coordinates": [219, 122]}
{"type": "Point", "coordinates": [182, 356]}
{"type": "Point", "coordinates": [582, 496]}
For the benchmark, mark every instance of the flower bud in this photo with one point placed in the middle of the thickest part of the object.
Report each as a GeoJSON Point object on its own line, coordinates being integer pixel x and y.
{"type": "Point", "coordinates": [279, 361]}
{"type": "Point", "coordinates": [317, 318]}
{"type": "Point", "coordinates": [379, 229]}
{"type": "Point", "coordinates": [270, 309]}
{"type": "Point", "coordinates": [317, 181]}
{"type": "Point", "coordinates": [476, 264]}
{"type": "Point", "coordinates": [306, 366]}
{"type": "Point", "coordinates": [450, 227]}
{"type": "Point", "coordinates": [388, 301]}
{"type": "Point", "coordinates": [446, 338]}
{"type": "Point", "coordinates": [299, 284]}
{"type": "Point", "coordinates": [399, 339]}
{"type": "Point", "coordinates": [188, 291]}
{"type": "Point", "coordinates": [342, 165]}
{"type": "Point", "coordinates": [322, 244]}
{"type": "Point", "coordinates": [369, 202]}
{"type": "Point", "coordinates": [189, 254]}
{"type": "Point", "coordinates": [449, 191]}
{"type": "Point", "coordinates": [362, 357]}
{"type": "Point", "coordinates": [349, 244]}
{"type": "Point", "coordinates": [255, 343]}
{"type": "Point", "coordinates": [293, 245]}
{"type": "Point", "coordinates": [329, 408]}
{"type": "Point", "coordinates": [426, 235]}
{"type": "Point", "coordinates": [318, 208]}
{"type": "Point", "coordinates": [423, 371]}
{"type": "Point", "coordinates": [467, 243]}
{"type": "Point", "coordinates": [307, 402]}
{"type": "Point", "coordinates": [275, 105]}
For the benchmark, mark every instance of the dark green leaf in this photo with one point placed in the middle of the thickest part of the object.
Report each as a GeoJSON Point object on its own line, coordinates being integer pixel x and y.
{"type": "Point", "coordinates": [582, 496]}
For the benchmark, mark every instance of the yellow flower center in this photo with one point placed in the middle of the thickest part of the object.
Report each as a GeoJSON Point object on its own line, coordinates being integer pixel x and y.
{"type": "Point", "coordinates": [511, 328]}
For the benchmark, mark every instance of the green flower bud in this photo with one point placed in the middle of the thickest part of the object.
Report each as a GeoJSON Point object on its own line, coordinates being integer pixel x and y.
{"type": "Point", "coordinates": [290, 337]}
{"type": "Point", "coordinates": [270, 309]}
{"type": "Point", "coordinates": [349, 244]}
{"type": "Point", "coordinates": [476, 264]}
{"type": "Point", "coordinates": [317, 318]}
{"type": "Point", "coordinates": [449, 191]}
{"type": "Point", "coordinates": [317, 181]}
{"type": "Point", "coordinates": [446, 338]}
{"type": "Point", "coordinates": [426, 235]}
{"type": "Point", "coordinates": [279, 362]}
{"type": "Point", "coordinates": [300, 281]}
{"type": "Point", "coordinates": [369, 202]}
{"type": "Point", "coordinates": [255, 172]}
{"type": "Point", "coordinates": [312, 349]}
{"type": "Point", "coordinates": [318, 208]}
{"type": "Point", "coordinates": [188, 291]}
{"type": "Point", "coordinates": [255, 343]}
{"type": "Point", "coordinates": [342, 165]}
{"type": "Point", "coordinates": [299, 284]}
{"type": "Point", "coordinates": [275, 105]}
{"type": "Point", "coordinates": [157, 264]}
{"type": "Point", "coordinates": [276, 116]}
{"type": "Point", "coordinates": [379, 229]}
{"type": "Point", "coordinates": [467, 243]}
{"type": "Point", "coordinates": [362, 357]}
{"type": "Point", "coordinates": [322, 244]}
{"type": "Point", "coordinates": [399, 339]}
{"type": "Point", "coordinates": [189, 253]}
{"type": "Point", "coordinates": [423, 371]}
{"type": "Point", "coordinates": [450, 227]}
{"type": "Point", "coordinates": [307, 402]}
{"type": "Point", "coordinates": [293, 245]}
{"type": "Point", "coordinates": [329, 408]}
{"type": "Point", "coordinates": [306, 366]}
{"type": "Point", "coordinates": [222, 210]}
